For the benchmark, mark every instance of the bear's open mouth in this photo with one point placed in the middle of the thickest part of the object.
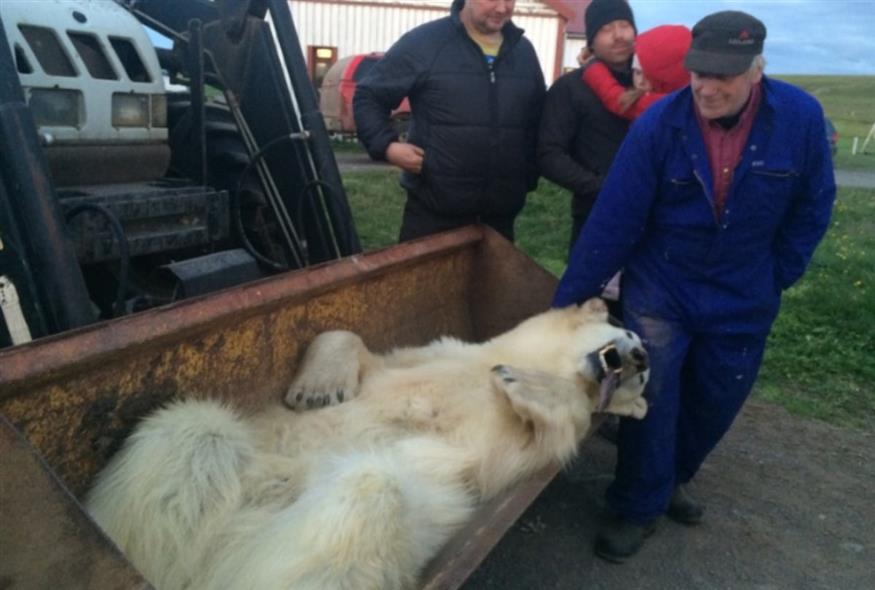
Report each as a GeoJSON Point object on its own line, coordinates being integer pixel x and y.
{"type": "Point", "coordinates": [611, 365]}
{"type": "Point", "coordinates": [610, 359]}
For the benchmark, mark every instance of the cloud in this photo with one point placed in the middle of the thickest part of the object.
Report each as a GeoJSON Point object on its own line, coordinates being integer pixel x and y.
{"type": "Point", "coordinates": [804, 36]}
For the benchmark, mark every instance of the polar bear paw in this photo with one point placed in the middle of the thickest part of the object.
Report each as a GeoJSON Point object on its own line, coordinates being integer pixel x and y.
{"type": "Point", "coordinates": [307, 396]}
{"type": "Point", "coordinates": [329, 373]}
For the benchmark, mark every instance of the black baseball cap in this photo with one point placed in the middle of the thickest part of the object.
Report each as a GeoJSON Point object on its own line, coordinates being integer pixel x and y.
{"type": "Point", "coordinates": [725, 43]}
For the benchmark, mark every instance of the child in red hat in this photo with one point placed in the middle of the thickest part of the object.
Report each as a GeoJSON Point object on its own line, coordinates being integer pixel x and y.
{"type": "Point", "coordinates": [658, 68]}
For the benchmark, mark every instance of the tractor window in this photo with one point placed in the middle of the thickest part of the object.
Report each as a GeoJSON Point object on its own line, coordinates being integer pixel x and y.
{"type": "Point", "coordinates": [127, 54]}
{"type": "Point", "coordinates": [21, 61]}
{"type": "Point", "coordinates": [364, 67]}
{"type": "Point", "coordinates": [48, 51]}
{"type": "Point", "coordinates": [91, 52]}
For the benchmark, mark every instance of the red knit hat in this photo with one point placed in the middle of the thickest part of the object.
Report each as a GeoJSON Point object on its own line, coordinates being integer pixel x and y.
{"type": "Point", "coordinates": [661, 52]}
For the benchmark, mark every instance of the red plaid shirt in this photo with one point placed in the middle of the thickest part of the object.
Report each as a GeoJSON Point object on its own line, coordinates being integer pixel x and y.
{"type": "Point", "coordinates": [724, 147]}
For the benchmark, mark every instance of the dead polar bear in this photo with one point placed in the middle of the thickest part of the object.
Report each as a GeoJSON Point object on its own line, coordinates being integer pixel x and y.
{"type": "Point", "coordinates": [359, 495]}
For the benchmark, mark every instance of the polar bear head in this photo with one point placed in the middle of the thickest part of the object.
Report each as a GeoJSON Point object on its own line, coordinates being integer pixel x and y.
{"type": "Point", "coordinates": [604, 366]}
{"type": "Point", "coordinates": [553, 371]}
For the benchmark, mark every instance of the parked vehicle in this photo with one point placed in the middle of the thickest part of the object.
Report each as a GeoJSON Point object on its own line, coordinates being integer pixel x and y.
{"type": "Point", "coordinates": [117, 195]}
{"type": "Point", "coordinates": [338, 88]}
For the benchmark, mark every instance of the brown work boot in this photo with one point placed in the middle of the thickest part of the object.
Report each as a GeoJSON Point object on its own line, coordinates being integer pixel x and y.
{"type": "Point", "coordinates": [683, 508]}
{"type": "Point", "coordinates": [619, 539]}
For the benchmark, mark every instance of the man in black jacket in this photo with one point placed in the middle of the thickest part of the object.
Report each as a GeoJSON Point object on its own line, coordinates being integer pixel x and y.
{"type": "Point", "coordinates": [476, 90]}
{"type": "Point", "coordinates": [578, 137]}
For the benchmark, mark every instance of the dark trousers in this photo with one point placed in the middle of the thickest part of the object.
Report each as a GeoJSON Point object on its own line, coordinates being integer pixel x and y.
{"type": "Point", "coordinates": [418, 222]}
{"type": "Point", "coordinates": [580, 209]}
{"type": "Point", "coordinates": [698, 383]}
{"type": "Point", "coordinates": [577, 222]}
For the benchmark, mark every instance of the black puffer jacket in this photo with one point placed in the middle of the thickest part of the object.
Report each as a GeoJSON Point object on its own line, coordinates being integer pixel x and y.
{"type": "Point", "coordinates": [477, 125]}
{"type": "Point", "coordinates": [579, 138]}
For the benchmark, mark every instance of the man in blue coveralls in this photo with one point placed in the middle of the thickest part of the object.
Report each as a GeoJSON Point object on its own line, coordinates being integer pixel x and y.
{"type": "Point", "coordinates": [713, 206]}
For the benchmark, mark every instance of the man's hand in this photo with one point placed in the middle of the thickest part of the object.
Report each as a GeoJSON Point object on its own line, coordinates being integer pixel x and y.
{"type": "Point", "coordinates": [628, 98]}
{"type": "Point", "coordinates": [406, 156]}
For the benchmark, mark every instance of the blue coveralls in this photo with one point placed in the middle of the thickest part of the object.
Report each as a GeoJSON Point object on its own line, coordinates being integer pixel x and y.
{"type": "Point", "coordinates": [701, 291]}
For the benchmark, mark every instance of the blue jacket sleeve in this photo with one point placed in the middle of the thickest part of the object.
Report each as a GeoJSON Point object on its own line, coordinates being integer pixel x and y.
{"type": "Point", "coordinates": [618, 219]}
{"type": "Point", "coordinates": [382, 90]}
{"type": "Point", "coordinates": [808, 217]}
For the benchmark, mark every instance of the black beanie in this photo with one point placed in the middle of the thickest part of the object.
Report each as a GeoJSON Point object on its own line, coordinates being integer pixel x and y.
{"type": "Point", "coordinates": [601, 12]}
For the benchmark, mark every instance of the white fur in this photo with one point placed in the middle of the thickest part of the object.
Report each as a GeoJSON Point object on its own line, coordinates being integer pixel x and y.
{"type": "Point", "coordinates": [361, 494]}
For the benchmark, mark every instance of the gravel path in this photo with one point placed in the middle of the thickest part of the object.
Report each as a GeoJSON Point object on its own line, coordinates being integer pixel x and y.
{"type": "Point", "coordinates": [789, 506]}
{"type": "Point", "coordinates": [359, 161]}
{"type": "Point", "coordinates": [855, 178]}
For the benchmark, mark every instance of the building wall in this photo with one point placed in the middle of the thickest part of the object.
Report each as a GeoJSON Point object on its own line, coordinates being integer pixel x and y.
{"type": "Point", "coordinates": [362, 26]}
{"type": "Point", "coordinates": [573, 45]}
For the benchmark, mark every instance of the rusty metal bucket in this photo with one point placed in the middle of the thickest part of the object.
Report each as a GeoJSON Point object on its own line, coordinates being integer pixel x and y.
{"type": "Point", "coordinates": [67, 402]}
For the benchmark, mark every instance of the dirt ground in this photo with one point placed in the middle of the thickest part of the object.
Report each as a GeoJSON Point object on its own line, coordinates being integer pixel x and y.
{"type": "Point", "coordinates": [790, 504]}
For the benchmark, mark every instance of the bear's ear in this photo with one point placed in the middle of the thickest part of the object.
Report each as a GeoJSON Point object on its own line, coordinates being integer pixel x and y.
{"type": "Point", "coordinates": [596, 307]}
{"type": "Point", "coordinates": [557, 412]}
{"type": "Point", "coordinates": [537, 397]}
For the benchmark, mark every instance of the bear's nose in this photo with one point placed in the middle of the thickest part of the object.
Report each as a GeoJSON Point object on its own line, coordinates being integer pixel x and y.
{"type": "Point", "coordinates": [642, 362]}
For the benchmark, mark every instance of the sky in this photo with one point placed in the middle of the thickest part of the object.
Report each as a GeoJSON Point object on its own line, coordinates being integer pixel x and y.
{"type": "Point", "coordinates": [802, 36]}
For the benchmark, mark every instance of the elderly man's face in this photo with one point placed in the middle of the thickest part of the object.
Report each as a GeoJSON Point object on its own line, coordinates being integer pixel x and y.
{"type": "Point", "coordinates": [488, 16]}
{"type": "Point", "coordinates": [614, 43]}
{"type": "Point", "coordinates": [722, 96]}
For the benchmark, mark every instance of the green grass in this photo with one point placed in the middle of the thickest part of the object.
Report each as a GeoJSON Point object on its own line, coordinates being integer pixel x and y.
{"type": "Point", "coordinates": [346, 144]}
{"type": "Point", "coordinates": [544, 227]}
{"type": "Point", "coordinates": [849, 101]}
{"type": "Point", "coordinates": [818, 363]}
{"type": "Point", "coordinates": [376, 201]}
{"type": "Point", "coordinates": [542, 230]}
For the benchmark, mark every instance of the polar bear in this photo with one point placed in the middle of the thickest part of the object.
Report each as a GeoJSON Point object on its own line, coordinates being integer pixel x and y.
{"type": "Point", "coordinates": [385, 457]}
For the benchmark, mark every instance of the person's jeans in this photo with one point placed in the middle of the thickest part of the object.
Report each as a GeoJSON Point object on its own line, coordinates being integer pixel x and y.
{"type": "Point", "coordinates": [698, 383]}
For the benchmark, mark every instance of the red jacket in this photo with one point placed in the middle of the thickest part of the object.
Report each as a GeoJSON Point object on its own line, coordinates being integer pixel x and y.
{"type": "Point", "coordinates": [661, 52]}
